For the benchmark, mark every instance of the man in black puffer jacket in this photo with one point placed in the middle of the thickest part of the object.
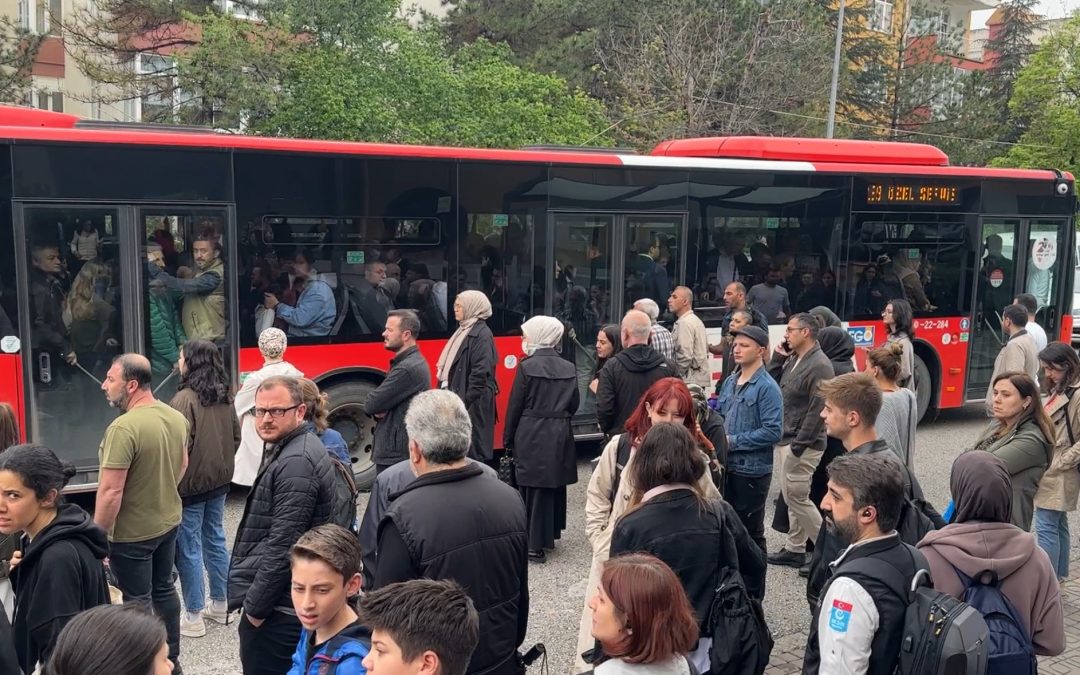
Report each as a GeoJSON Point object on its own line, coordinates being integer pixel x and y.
{"type": "Point", "coordinates": [627, 375]}
{"type": "Point", "coordinates": [455, 522]}
{"type": "Point", "coordinates": [293, 492]}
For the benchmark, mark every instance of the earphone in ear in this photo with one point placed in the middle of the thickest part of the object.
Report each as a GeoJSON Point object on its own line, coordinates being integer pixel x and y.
{"type": "Point", "coordinates": [866, 512]}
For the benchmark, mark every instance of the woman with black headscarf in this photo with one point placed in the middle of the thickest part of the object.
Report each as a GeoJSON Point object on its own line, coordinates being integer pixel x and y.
{"type": "Point", "coordinates": [982, 539]}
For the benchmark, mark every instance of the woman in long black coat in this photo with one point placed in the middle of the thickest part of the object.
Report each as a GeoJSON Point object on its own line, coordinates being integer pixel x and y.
{"type": "Point", "coordinates": [538, 432]}
{"type": "Point", "coordinates": [467, 368]}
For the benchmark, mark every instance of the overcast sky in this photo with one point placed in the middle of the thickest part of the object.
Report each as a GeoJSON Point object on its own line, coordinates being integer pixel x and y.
{"type": "Point", "coordinates": [1050, 8]}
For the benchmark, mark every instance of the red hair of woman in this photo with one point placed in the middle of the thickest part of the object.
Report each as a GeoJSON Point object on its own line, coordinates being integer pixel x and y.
{"type": "Point", "coordinates": [662, 392]}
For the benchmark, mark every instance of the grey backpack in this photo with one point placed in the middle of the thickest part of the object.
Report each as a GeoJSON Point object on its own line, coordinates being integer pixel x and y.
{"type": "Point", "coordinates": [942, 635]}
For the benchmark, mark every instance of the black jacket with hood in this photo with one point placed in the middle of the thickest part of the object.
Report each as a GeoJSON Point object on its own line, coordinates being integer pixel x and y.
{"type": "Point", "coordinates": [61, 574]}
{"type": "Point", "coordinates": [622, 381]}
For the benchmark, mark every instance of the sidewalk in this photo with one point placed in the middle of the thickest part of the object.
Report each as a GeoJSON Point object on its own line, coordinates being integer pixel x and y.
{"type": "Point", "coordinates": [787, 654]}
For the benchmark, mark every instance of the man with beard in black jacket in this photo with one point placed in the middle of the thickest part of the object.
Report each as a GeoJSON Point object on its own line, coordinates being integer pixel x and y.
{"type": "Point", "coordinates": [455, 522]}
{"type": "Point", "coordinates": [409, 375]}
{"type": "Point", "coordinates": [851, 406]}
{"type": "Point", "coordinates": [626, 376]}
{"type": "Point", "coordinates": [293, 492]}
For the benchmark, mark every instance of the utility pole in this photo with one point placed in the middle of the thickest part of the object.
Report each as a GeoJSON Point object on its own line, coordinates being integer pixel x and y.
{"type": "Point", "coordinates": [830, 125]}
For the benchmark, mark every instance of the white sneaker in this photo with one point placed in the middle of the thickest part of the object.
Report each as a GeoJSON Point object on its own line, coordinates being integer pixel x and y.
{"type": "Point", "coordinates": [218, 612]}
{"type": "Point", "coordinates": [192, 625]}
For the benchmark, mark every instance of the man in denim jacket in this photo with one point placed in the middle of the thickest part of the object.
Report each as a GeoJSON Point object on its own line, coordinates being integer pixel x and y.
{"type": "Point", "coordinates": [753, 410]}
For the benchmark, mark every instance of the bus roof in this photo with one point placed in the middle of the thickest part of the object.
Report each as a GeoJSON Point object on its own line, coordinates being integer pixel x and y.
{"type": "Point", "coordinates": [740, 153]}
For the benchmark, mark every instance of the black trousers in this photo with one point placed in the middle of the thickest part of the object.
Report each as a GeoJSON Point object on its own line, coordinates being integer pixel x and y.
{"type": "Point", "coordinates": [747, 495]}
{"type": "Point", "coordinates": [144, 574]}
{"type": "Point", "coordinates": [268, 649]}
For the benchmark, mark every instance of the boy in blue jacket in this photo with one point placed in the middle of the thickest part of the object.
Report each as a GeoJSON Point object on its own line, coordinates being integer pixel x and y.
{"type": "Point", "coordinates": [325, 580]}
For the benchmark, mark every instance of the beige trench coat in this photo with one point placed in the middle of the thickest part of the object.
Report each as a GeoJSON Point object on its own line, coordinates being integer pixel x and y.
{"type": "Point", "coordinates": [601, 514]}
{"type": "Point", "coordinates": [1059, 487]}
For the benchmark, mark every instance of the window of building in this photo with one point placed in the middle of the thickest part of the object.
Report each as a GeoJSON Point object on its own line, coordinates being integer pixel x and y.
{"type": "Point", "coordinates": [882, 17]}
{"type": "Point", "coordinates": [243, 9]}
{"type": "Point", "coordinates": [161, 96]}
{"type": "Point", "coordinates": [48, 100]}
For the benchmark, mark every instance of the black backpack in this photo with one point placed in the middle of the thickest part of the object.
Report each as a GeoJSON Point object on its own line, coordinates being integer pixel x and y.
{"type": "Point", "coordinates": [343, 509]}
{"type": "Point", "coordinates": [942, 635]}
{"type": "Point", "coordinates": [741, 640]}
{"type": "Point", "coordinates": [622, 456]}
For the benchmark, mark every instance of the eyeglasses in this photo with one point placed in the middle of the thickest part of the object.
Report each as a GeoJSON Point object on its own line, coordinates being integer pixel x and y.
{"type": "Point", "coordinates": [789, 329]}
{"type": "Point", "coordinates": [276, 413]}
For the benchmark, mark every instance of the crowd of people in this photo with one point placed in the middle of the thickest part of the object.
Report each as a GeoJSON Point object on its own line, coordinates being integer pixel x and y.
{"type": "Point", "coordinates": [675, 507]}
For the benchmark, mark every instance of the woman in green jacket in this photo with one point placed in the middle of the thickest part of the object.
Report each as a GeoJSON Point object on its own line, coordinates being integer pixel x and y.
{"type": "Point", "coordinates": [1022, 437]}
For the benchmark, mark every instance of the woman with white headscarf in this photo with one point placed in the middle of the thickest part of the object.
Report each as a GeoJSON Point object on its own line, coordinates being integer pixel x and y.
{"type": "Point", "coordinates": [467, 368]}
{"type": "Point", "coordinates": [272, 344]}
{"type": "Point", "coordinates": [538, 431]}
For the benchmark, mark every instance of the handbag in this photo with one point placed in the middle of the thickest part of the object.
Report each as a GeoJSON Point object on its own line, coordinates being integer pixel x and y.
{"type": "Point", "coordinates": [508, 468]}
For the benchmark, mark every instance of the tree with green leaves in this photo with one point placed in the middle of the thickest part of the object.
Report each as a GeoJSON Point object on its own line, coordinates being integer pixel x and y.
{"type": "Point", "coordinates": [1008, 50]}
{"type": "Point", "coordinates": [1045, 93]}
{"type": "Point", "coordinates": [18, 49]}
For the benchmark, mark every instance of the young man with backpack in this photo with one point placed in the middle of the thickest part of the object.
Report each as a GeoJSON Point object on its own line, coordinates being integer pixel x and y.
{"type": "Point", "coordinates": [1022, 607]}
{"type": "Point", "coordinates": [859, 624]}
{"type": "Point", "coordinates": [325, 584]}
{"type": "Point", "coordinates": [851, 405]}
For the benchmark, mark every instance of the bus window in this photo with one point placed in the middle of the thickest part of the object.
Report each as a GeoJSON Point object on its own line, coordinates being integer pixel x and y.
{"type": "Point", "coordinates": [186, 286]}
{"type": "Point", "coordinates": [652, 259]}
{"type": "Point", "coordinates": [503, 241]}
{"type": "Point", "coordinates": [75, 325]}
{"type": "Point", "coordinates": [924, 261]}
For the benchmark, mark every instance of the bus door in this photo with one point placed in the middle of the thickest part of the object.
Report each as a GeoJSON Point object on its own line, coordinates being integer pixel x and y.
{"type": "Point", "coordinates": [74, 312]}
{"type": "Point", "coordinates": [185, 269]}
{"type": "Point", "coordinates": [1018, 255]}
{"type": "Point", "coordinates": [602, 263]}
{"type": "Point", "coordinates": [1046, 259]}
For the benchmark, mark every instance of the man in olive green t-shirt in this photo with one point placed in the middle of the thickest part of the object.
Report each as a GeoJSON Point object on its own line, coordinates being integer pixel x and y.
{"type": "Point", "coordinates": [143, 457]}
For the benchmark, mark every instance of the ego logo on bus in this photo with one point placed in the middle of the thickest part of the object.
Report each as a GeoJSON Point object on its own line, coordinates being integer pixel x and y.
{"type": "Point", "coordinates": [862, 336]}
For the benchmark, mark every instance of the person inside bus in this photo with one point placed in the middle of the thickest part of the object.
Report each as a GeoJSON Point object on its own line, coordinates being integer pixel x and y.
{"type": "Point", "coordinates": [91, 319]}
{"type": "Point", "coordinates": [869, 298]}
{"type": "Point", "coordinates": [315, 309]}
{"type": "Point", "coordinates": [49, 334]}
{"type": "Point", "coordinates": [203, 310]}
{"type": "Point", "coordinates": [770, 298]}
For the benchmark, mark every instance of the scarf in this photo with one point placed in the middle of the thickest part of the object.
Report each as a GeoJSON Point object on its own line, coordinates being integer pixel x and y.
{"type": "Point", "coordinates": [981, 488]}
{"type": "Point", "coordinates": [476, 307]}
{"type": "Point", "coordinates": [539, 332]}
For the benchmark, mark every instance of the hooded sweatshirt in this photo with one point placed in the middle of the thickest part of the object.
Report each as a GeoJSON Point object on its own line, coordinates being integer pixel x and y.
{"type": "Point", "coordinates": [622, 381]}
{"type": "Point", "coordinates": [61, 574]}
{"type": "Point", "coordinates": [839, 347]}
{"type": "Point", "coordinates": [345, 652]}
{"type": "Point", "coordinates": [982, 539]}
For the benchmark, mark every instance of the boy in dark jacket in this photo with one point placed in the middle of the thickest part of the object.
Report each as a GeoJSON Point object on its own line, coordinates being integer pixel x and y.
{"type": "Point", "coordinates": [325, 577]}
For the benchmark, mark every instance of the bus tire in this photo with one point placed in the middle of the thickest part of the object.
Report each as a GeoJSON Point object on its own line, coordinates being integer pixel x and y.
{"type": "Point", "coordinates": [924, 387]}
{"type": "Point", "coordinates": [348, 418]}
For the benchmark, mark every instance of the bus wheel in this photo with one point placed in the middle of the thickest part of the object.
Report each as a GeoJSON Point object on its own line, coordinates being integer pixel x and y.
{"type": "Point", "coordinates": [924, 387]}
{"type": "Point", "coordinates": [348, 418]}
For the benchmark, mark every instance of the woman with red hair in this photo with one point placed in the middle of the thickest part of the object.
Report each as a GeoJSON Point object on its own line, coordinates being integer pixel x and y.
{"type": "Point", "coordinates": [641, 616]}
{"type": "Point", "coordinates": [611, 486]}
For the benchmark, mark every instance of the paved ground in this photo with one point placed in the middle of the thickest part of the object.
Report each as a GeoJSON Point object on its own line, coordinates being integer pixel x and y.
{"type": "Point", "coordinates": [558, 587]}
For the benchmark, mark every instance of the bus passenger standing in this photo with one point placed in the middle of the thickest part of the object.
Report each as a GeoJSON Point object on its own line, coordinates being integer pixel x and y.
{"type": "Point", "coordinates": [203, 311]}
{"type": "Point", "coordinates": [467, 368]}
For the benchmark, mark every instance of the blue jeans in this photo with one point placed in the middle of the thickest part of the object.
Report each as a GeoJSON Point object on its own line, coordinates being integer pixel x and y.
{"type": "Point", "coordinates": [201, 541]}
{"type": "Point", "coordinates": [1052, 532]}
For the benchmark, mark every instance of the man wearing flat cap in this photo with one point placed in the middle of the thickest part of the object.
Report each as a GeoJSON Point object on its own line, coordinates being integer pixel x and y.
{"type": "Point", "coordinates": [753, 411]}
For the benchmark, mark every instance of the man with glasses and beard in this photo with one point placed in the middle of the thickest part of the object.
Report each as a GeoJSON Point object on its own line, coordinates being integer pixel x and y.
{"type": "Point", "coordinates": [858, 625]}
{"type": "Point", "coordinates": [293, 492]}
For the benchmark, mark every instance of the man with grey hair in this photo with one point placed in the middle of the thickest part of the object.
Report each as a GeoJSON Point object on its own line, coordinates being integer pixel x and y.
{"type": "Point", "coordinates": [409, 375]}
{"type": "Point", "coordinates": [626, 376]}
{"type": "Point", "coordinates": [660, 338]}
{"type": "Point", "coordinates": [454, 522]}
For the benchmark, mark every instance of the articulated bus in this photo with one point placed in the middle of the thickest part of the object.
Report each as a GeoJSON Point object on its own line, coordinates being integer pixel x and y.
{"type": "Point", "coordinates": [572, 232]}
